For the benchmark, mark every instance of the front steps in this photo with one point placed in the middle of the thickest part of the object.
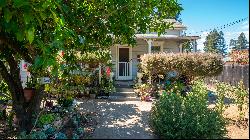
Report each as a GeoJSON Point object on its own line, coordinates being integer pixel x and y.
{"type": "Point", "coordinates": [124, 92]}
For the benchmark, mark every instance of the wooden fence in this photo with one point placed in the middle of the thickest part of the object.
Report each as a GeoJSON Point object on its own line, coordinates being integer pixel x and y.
{"type": "Point", "coordinates": [232, 74]}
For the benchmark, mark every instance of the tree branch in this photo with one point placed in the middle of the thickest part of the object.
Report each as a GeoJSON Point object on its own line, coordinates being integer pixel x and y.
{"type": "Point", "coordinates": [16, 46]}
{"type": "Point", "coordinates": [14, 71]}
{"type": "Point", "coordinates": [7, 78]}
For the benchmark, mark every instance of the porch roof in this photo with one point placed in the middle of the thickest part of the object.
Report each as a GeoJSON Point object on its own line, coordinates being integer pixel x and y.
{"type": "Point", "coordinates": [166, 37]}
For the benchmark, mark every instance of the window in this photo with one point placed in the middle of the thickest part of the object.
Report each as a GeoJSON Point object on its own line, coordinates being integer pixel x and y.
{"type": "Point", "coordinates": [156, 49]}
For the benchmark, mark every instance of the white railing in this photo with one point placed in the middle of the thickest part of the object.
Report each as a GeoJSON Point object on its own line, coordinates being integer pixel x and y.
{"type": "Point", "coordinates": [125, 67]}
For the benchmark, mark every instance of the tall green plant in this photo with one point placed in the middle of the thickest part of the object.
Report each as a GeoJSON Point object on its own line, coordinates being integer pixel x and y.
{"type": "Point", "coordinates": [222, 91]}
{"type": "Point", "coordinates": [175, 116]}
{"type": "Point", "coordinates": [241, 99]}
{"type": "Point", "coordinates": [238, 94]}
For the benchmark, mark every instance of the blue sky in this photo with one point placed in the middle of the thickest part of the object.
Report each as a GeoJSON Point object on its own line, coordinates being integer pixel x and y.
{"type": "Point", "coordinates": [201, 15]}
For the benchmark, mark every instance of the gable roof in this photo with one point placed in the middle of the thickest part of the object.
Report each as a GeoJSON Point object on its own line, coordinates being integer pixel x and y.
{"type": "Point", "coordinates": [177, 25]}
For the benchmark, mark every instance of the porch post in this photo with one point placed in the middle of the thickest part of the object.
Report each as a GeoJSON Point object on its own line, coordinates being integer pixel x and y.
{"type": "Point", "coordinates": [149, 51]}
{"type": "Point", "coordinates": [149, 45]}
{"type": "Point", "coordinates": [180, 47]}
{"type": "Point", "coordinates": [195, 45]}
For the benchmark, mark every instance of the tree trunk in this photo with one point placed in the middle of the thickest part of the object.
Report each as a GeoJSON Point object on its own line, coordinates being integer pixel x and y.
{"type": "Point", "coordinates": [10, 73]}
{"type": "Point", "coordinates": [24, 111]}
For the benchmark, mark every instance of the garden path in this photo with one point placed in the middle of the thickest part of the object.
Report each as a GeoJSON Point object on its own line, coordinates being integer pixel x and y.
{"type": "Point", "coordinates": [119, 119]}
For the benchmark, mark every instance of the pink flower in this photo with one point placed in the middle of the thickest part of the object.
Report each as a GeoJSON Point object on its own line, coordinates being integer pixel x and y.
{"type": "Point", "coordinates": [108, 70]}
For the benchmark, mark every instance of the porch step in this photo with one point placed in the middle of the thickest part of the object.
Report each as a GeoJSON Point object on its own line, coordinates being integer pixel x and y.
{"type": "Point", "coordinates": [124, 84]}
{"type": "Point", "coordinates": [124, 94]}
{"type": "Point", "coordinates": [124, 89]}
{"type": "Point", "coordinates": [122, 98]}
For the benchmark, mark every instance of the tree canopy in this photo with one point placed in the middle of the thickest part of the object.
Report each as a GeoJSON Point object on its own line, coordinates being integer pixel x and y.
{"type": "Point", "coordinates": [240, 43]}
{"type": "Point", "coordinates": [215, 43]}
{"type": "Point", "coordinates": [37, 31]}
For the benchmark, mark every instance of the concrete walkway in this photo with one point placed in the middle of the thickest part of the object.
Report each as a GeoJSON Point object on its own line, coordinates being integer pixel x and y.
{"type": "Point", "coordinates": [119, 120]}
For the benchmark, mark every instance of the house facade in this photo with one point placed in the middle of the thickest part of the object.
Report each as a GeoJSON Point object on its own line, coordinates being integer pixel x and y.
{"type": "Point", "coordinates": [126, 58]}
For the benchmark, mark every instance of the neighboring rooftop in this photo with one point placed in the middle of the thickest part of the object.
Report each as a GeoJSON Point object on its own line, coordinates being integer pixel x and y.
{"type": "Point", "coordinates": [177, 25]}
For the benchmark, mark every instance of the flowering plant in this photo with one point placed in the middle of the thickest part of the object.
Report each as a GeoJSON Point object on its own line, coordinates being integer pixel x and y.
{"type": "Point", "coordinates": [240, 56]}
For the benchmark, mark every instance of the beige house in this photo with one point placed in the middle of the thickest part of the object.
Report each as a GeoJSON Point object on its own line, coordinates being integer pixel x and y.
{"type": "Point", "coordinates": [125, 58]}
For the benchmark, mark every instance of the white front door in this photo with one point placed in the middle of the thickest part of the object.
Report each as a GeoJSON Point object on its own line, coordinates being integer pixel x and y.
{"type": "Point", "coordinates": [124, 63]}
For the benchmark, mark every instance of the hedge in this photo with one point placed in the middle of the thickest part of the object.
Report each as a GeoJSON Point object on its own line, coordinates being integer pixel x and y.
{"type": "Point", "coordinates": [189, 64]}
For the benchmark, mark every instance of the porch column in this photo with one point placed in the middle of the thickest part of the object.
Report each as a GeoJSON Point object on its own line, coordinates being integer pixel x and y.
{"type": "Point", "coordinates": [149, 51]}
{"type": "Point", "coordinates": [195, 45]}
{"type": "Point", "coordinates": [180, 47]}
{"type": "Point", "coordinates": [149, 45]}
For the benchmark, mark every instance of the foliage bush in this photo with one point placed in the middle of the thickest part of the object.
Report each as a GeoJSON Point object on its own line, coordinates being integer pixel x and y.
{"type": "Point", "coordinates": [65, 102]}
{"type": "Point", "coordinates": [176, 116]}
{"type": "Point", "coordinates": [238, 94]}
{"type": "Point", "coordinates": [240, 56]}
{"type": "Point", "coordinates": [145, 91]}
{"type": "Point", "coordinates": [46, 119]}
{"type": "Point", "coordinates": [241, 97]}
{"type": "Point", "coordinates": [189, 64]}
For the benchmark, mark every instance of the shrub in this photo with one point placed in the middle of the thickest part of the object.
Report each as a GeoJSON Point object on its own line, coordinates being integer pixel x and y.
{"type": "Point", "coordinates": [175, 116]}
{"type": "Point", "coordinates": [238, 94]}
{"type": "Point", "coordinates": [189, 64]}
{"type": "Point", "coordinates": [240, 56]}
{"type": "Point", "coordinates": [46, 119]}
{"type": "Point", "coordinates": [146, 91]}
{"type": "Point", "coordinates": [241, 99]}
{"type": "Point", "coordinates": [65, 102]}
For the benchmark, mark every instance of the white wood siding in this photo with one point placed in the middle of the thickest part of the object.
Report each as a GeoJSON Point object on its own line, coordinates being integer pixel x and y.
{"type": "Point", "coordinates": [171, 46]}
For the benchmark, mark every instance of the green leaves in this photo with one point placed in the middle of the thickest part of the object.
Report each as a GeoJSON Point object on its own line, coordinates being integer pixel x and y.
{"type": "Point", "coordinates": [62, 21]}
{"type": "Point", "coordinates": [19, 3]}
{"type": "Point", "coordinates": [28, 17]}
{"type": "Point", "coordinates": [215, 43]}
{"type": "Point", "coordinates": [58, 24]}
{"type": "Point", "coordinates": [19, 36]}
{"type": "Point", "coordinates": [30, 34]}
{"type": "Point", "coordinates": [177, 117]}
{"type": "Point", "coordinates": [3, 3]}
{"type": "Point", "coordinates": [7, 15]}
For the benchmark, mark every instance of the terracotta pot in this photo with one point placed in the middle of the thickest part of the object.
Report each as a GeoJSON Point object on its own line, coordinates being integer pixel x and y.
{"type": "Point", "coordinates": [28, 93]}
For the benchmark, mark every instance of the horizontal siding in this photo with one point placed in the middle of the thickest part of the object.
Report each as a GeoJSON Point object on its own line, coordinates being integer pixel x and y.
{"type": "Point", "coordinates": [173, 32]}
{"type": "Point", "coordinates": [171, 46]}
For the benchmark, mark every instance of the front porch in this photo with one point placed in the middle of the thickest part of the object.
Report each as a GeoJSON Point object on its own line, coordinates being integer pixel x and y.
{"type": "Point", "coordinates": [125, 59]}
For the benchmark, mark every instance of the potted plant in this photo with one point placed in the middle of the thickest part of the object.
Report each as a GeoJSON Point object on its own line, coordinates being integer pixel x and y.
{"type": "Point", "coordinates": [29, 90]}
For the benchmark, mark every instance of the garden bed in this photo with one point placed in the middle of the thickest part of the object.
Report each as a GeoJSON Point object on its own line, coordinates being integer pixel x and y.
{"type": "Point", "coordinates": [56, 123]}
